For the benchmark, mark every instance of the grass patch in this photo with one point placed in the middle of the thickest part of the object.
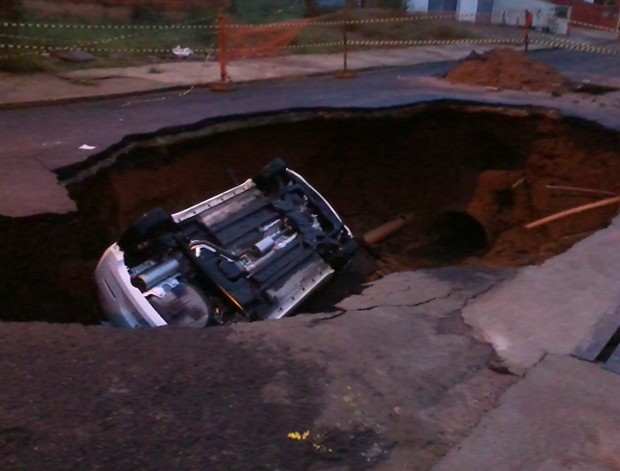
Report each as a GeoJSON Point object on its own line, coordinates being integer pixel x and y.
{"type": "Point", "coordinates": [26, 64]}
{"type": "Point", "coordinates": [391, 31]}
{"type": "Point", "coordinates": [266, 11]}
{"type": "Point", "coordinates": [127, 47]}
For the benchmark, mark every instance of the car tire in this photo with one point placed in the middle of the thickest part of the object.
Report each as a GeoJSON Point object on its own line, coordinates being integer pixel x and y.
{"type": "Point", "coordinates": [270, 173]}
{"type": "Point", "coordinates": [344, 255]}
{"type": "Point", "coordinates": [145, 227]}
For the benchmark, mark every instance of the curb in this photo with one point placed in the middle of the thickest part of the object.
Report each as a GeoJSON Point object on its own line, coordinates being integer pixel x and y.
{"type": "Point", "coordinates": [80, 99]}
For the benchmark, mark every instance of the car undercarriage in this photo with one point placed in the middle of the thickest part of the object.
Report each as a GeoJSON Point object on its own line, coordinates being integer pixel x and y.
{"type": "Point", "coordinates": [254, 252]}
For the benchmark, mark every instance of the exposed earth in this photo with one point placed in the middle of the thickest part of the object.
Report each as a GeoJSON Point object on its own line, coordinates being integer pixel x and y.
{"type": "Point", "coordinates": [508, 69]}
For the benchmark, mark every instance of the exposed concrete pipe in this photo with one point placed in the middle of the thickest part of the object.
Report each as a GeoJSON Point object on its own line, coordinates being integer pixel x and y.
{"type": "Point", "coordinates": [385, 230]}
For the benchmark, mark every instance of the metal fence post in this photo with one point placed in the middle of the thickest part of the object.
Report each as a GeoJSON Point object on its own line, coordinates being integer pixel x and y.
{"type": "Point", "coordinates": [345, 72]}
{"type": "Point", "coordinates": [529, 20]}
{"type": "Point", "coordinates": [224, 84]}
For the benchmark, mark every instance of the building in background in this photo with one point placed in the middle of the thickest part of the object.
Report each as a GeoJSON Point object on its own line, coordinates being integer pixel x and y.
{"type": "Point", "coordinates": [593, 13]}
{"type": "Point", "coordinates": [547, 15]}
{"type": "Point", "coordinates": [465, 10]}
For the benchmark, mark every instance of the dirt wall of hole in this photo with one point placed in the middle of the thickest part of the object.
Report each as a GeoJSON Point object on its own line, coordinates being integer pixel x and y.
{"type": "Point", "coordinates": [493, 164]}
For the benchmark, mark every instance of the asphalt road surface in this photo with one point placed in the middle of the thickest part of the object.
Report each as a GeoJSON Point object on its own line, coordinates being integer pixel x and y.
{"type": "Point", "coordinates": [55, 133]}
{"type": "Point", "coordinates": [40, 143]}
{"type": "Point", "coordinates": [363, 387]}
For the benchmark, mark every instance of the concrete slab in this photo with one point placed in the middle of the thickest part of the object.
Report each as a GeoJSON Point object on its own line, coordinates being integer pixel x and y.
{"type": "Point", "coordinates": [28, 189]}
{"type": "Point", "coordinates": [551, 308]}
{"type": "Point", "coordinates": [399, 289]}
{"type": "Point", "coordinates": [448, 287]}
{"type": "Point", "coordinates": [563, 416]}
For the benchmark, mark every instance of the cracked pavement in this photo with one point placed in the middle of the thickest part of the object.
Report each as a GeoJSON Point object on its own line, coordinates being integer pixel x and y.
{"type": "Point", "coordinates": [39, 142]}
{"type": "Point", "coordinates": [394, 380]}
{"type": "Point", "coordinates": [408, 374]}
{"type": "Point", "coordinates": [554, 307]}
{"type": "Point", "coordinates": [384, 385]}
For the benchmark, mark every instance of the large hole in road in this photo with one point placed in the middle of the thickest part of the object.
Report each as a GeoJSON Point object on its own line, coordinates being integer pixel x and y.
{"type": "Point", "coordinates": [471, 175]}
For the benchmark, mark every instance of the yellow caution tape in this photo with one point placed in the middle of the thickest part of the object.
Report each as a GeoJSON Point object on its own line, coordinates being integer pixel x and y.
{"type": "Point", "coordinates": [434, 42]}
{"type": "Point", "coordinates": [576, 47]}
{"type": "Point", "coordinates": [96, 49]}
{"type": "Point", "coordinates": [561, 43]}
{"type": "Point", "coordinates": [294, 23]}
{"type": "Point", "coordinates": [550, 42]}
{"type": "Point", "coordinates": [398, 19]}
{"type": "Point", "coordinates": [590, 25]}
{"type": "Point", "coordinates": [546, 39]}
{"type": "Point", "coordinates": [76, 41]}
{"type": "Point", "coordinates": [109, 27]}
{"type": "Point", "coordinates": [413, 42]}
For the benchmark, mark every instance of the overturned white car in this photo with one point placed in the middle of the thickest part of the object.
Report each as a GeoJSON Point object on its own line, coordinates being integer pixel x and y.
{"type": "Point", "coordinates": [253, 252]}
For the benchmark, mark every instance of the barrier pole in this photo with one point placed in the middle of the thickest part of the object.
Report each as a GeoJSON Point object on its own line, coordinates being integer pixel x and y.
{"type": "Point", "coordinates": [224, 84]}
{"type": "Point", "coordinates": [529, 20]}
{"type": "Point", "coordinates": [345, 72]}
{"type": "Point", "coordinates": [526, 40]}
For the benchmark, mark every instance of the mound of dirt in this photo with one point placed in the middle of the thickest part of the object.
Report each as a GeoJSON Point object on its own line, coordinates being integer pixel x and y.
{"type": "Point", "coordinates": [508, 69]}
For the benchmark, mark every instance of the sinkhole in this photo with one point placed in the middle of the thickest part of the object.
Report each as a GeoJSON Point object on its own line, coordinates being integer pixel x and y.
{"type": "Point", "coordinates": [470, 175]}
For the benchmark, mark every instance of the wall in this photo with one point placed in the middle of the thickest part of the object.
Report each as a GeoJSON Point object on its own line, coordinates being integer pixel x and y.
{"type": "Point", "coordinates": [600, 15]}
{"type": "Point", "coordinates": [512, 12]}
{"type": "Point", "coordinates": [442, 6]}
{"type": "Point", "coordinates": [417, 5]}
{"type": "Point", "coordinates": [466, 10]}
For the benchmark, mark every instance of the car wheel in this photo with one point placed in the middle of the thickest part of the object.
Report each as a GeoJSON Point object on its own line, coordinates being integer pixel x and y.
{"type": "Point", "coordinates": [344, 255]}
{"type": "Point", "coordinates": [270, 173]}
{"type": "Point", "coordinates": [146, 226]}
